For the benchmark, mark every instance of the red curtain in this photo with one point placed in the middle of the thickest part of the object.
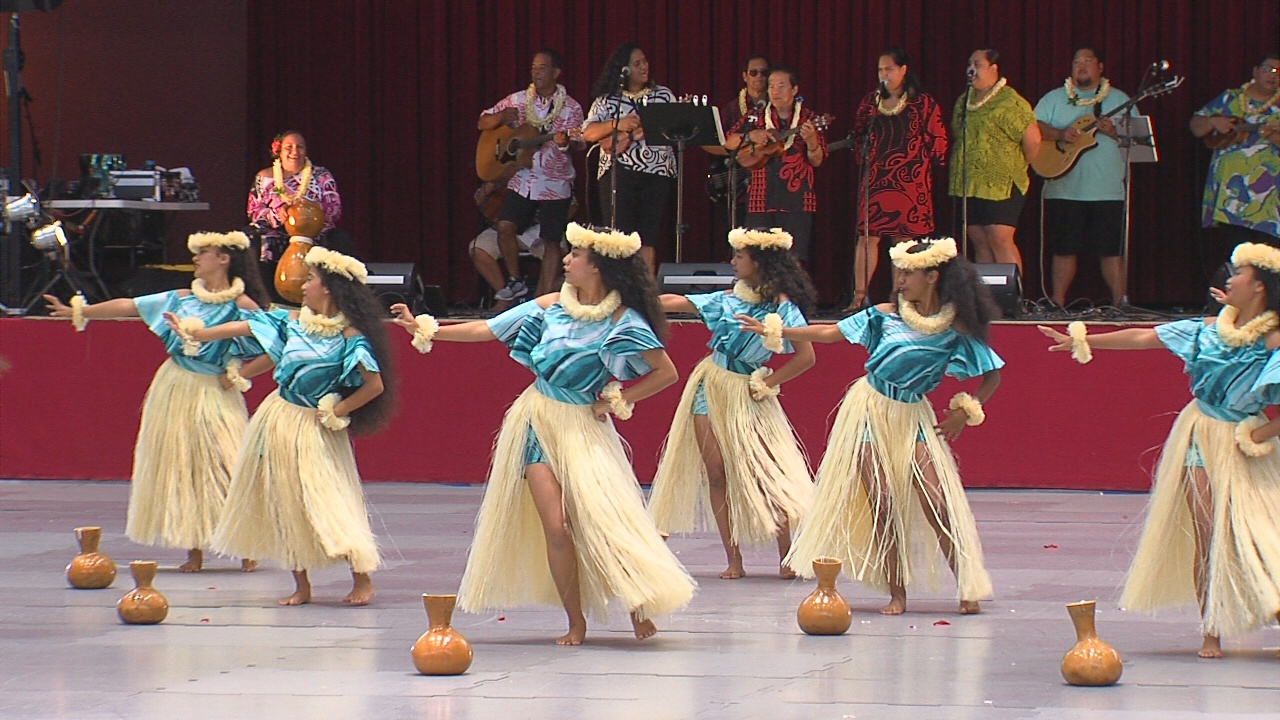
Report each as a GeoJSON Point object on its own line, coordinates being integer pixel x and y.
{"type": "Point", "coordinates": [387, 94]}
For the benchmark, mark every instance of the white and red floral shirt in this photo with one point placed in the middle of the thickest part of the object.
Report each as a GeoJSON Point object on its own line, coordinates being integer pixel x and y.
{"type": "Point", "coordinates": [551, 177]}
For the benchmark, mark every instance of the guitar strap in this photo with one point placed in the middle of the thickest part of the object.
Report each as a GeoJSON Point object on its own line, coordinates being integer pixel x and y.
{"type": "Point", "coordinates": [1097, 110]}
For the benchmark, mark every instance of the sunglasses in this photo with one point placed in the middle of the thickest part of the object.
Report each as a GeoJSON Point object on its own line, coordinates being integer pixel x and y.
{"type": "Point", "coordinates": [757, 72]}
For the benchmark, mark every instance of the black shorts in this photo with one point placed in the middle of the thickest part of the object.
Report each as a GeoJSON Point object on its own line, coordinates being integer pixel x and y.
{"type": "Point", "coordinates": [552, 215]}
{"type": "Point", "coordinates": [997, 212]}
{"type": "Point", "coordinates": [1081, 227]}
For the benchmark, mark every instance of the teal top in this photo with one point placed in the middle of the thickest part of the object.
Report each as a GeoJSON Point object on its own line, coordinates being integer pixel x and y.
{"type": "Point", "coordinates": [213, 356]}
{"type": "Point", "coordinates": [906, 365]}
{"type": "Point", "coordinates": [1099, 171]}
{"type": "Point", "coordinates": [1229, 383]}
{"type": "Point", "coordinates": [732, 349]}
{"type": "Point", "coordinates": [310, 366]}
{"type": "Point", "coordinates": [572, 360]}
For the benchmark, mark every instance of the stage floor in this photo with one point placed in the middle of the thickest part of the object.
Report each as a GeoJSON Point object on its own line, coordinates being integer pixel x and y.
{"type": "Point", "coordinates": [226, 650]}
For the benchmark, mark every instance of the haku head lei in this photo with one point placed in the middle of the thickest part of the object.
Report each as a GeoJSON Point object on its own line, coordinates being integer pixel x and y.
{"type": "Point", "coordinates": [1257, 255]}
{"type": "Point", "coordinates": [230, 241]}
{"type": "Point", "coordinates": [336, 263]}
{"type": "Point", "coordinates": [773, 239]}
{"type": "Point", "coordinates": [905, 256]}
{"type": "Point", "coordinates": [606, 242]}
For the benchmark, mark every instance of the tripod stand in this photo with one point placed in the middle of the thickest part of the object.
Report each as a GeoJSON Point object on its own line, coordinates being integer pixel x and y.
{"type": "Point", "coordinates": [53, 242]}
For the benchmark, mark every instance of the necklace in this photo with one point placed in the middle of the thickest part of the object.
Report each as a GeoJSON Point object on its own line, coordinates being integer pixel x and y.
{"type": "Point", "coordinates": [1244, 99]}
{"type": "Point", "coordinates": [1252, 330]}
{"type": "Point", "coordinates": [902, 104]}
{"type": "Point", "coordinates": [746, 293]}
{"type": "Point", "coordinates": [995, 89]}
{"type": "Point", "coordinates": [1074, 99]}
{"type": "Point", "coordinates": [931, 325]}
{"type": "Point", "coordinates": [217, 297]}
{"type": "Point", "coordinates": [588, 313]}
{"type": "Point", "coordinates": [642, 92]}
{"type": "Point", "coordinates": [304, 182]}
{"type": "Point", "coordinates": [314, 323]}
{"type": "Point", "coordinates": [558, 99]}
{"type": "Point", "coordinates": [795, 122]}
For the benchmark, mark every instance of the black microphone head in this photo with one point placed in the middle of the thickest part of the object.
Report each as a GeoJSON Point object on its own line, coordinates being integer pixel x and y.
{"type": "Point", "coordinates": [1163, 65]}
{"type": "Point", "coordinates": [625, 71]}
{"type": "Point", "coordinates": [971, 72]}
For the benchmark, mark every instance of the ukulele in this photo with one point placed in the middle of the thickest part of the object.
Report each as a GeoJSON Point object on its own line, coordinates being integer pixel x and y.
{"type": "Point", "coordinates": [751, 155]}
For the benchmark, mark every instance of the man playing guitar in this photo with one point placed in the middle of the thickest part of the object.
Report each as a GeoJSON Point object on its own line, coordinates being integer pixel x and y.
{"type": "Point", "coordinates": [544, 190]}
{"type": "Point", "coordinates": [781, 190]}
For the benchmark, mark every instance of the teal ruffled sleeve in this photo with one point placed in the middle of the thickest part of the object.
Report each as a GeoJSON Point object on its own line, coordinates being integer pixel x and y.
{"type": "Point", "coordinates": [151, 308]}
{"type": "Point", "coordinates": [507, 325]}
{"type": "Point", "coordinates": [1182, 338]}
{"type": "Point", "coordinates": [1266, 389]}
{"type": "Point", "coordinates": [620, 352]}
{"type": "Point", "coordinates": [863, 328]}
{"type": "Point", "coordinates": [972, 358]}
{"type": "Point", "coordinates": [356, 353]}
{"type": "Point", "coordinates": [270, 329]}
{"type": "Point", "coordinates": [711, 306]}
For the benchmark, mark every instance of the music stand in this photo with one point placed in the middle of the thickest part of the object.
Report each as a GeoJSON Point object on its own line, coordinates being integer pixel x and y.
{"type": "Point", "coordinates": [680, 124]}
{"type": "Point", "coordinates": [1138, 144]}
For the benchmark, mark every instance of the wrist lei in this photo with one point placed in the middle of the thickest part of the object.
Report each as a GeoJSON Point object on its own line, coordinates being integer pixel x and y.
{"type": "Point", "coordinates": [427, 329]}
{"type": "Point", "coordinates": [620, 408]}
{"type": "Point", "coordinates": [1080, 350]}
{"type": "Point", "coordinates": [759, 389]}
{"type": "Point", "coordinates": [78, 320]}
{"type": "Point", "coordinates": [773, 332]}
{"type": "Point", "coordinates": [1244, 437]}
{"type": "Point", "coordinates": [971, 407]}
{"type": "Point", "coordinates": [327, 417]}
{"type": "Point", "coordinates": [187, 326]}
{"type": "Point", "coordinates": [238, 381]}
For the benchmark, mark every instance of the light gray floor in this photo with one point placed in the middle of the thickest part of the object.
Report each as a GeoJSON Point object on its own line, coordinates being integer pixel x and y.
{"type": "Point", "coordinates": [226, 650]}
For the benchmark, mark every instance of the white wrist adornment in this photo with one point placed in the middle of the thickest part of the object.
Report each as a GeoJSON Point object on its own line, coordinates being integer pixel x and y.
{"type": "Point", "coordinates": [773, 332]}
{"type": "Point", "coordinates": [78, 320]}
{"type": "Point", "coordinates": [427, 329]}
{"type": "Point", "coordinates": [620, 408]}
{"type": "Point", "coordinates": [1244, 437]}
{"type": "Point", "coordinates": [971, 407]}
{"type": "Point", "coordinates": [186, 327]}
{"type": "Point", "coordinates": [238, 381]}
{"type": "Point", "coordinates": [1080, 350]}
{"type": "Point", "coordinates": [327, 417]}
{"type": "Point", "coordinates": [759, 388]}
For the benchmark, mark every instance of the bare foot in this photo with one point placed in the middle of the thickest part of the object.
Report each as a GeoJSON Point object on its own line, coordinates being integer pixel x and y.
{"type": "Point", "coordinates": [361, 590]}
{"type": "Point", "coordinates": [969, 607]}
{"type": "Point", "coordinates": [896, 606]}
{"type": "Point", "coordinates": [577, 633]}
{"type": "Point", "coordinates": [733, 572]}
{"type": "Point", "coordinates": [195, 561]}
{"type": "Point", "coordinates": [644, 628]}
{"type": "Point", "coordinates": [247, 565]}
{"type": "Point", "coordinates": [1211, 649]}
{"type": "Point", "coordinates": [786, 573]}
{"type": "Point", "coordinates": [299, 597]}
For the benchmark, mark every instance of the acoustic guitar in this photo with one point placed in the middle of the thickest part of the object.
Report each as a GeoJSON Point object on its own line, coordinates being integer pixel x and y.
{"type": "Point", "coordinates": [1057, 157]}
{"type": "Point", "coordinates": [505, 147]}
{"type": "Point", "coordinates": [751, 155]}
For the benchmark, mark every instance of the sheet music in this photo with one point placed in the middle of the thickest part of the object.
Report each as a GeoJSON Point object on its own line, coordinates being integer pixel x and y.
{"type": "Point", "coordinates": [1133, 133]}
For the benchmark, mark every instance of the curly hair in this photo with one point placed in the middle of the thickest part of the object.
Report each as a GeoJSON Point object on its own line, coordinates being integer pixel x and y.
{"type": "Point", "coordinates": [607, 82]}
{"type": "Point", "coordinates": [631, 278]}
{"type": "Point", "coordinates": [365, 313]}
{"type": "Point", "coordinates": [780, 274]}
{"type": "Point", "coordinates": [960, 284]}
{"type": "Point", "coordinates": [244, 265]}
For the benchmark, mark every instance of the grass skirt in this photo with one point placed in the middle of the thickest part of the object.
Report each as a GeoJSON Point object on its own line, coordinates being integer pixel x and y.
{"type": "Point", "coordinates": [295, 496]}
{"type": "Point", "coordinates": [187, 444]}
{"type": "Point", "coordinates": [767, 480]}
{"type": "Point", "coordinates": [842, 522]}
{"type": "Point", "coordinates": [620, 553]}
{"type": "Point", "coordinates": [1244, 556]}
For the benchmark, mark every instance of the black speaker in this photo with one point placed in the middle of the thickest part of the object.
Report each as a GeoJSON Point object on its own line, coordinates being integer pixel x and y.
{"type": "Point", "coordinates": [1005, 283]}
{"type": "Point", "coordinates": [397, 283]}
{"type": "Point", "coordinates": [685, 278]}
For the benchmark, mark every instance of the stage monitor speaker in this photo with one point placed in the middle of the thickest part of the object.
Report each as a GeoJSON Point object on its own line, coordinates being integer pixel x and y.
{"type": "Point", "coordinates": [685, 278]}
{"type": "Point", "coordinates": [1005, 283]}
{"type": "Point", "coordinates": [400, 283]}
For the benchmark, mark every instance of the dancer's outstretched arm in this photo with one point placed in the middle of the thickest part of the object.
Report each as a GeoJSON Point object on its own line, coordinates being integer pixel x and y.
{"type": "Point", "coordinates": [120, 307]}
{"type": "Point", "coordinates": [1127, 339]}
{"type": "Point", "coordinates": [474, 331]}
{"type": "Point", "coordinates": [826, 333]}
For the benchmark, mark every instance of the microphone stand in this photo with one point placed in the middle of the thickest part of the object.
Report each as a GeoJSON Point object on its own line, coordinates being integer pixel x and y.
{"type": "Point", "coordinates": [866, 204]}
{"type": "Point", "coordinates": [614, 164]}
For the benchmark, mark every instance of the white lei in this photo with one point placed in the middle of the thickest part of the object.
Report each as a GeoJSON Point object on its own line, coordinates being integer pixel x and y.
{"type": "Point", "coordinates": [643, 92]}
{"type": "Point", "coordinates": [557, 104]}
{"type": "Point", "coordinates": [931, 325]}
{"type": "Point", "coordinates": [795, 122]}
{"type": "Point", "coordinates": [995, 89]}
{"type": "Point", "coordinates": [742, 102]}
{"type": "Point", "coordinates": [1252, 330]}
{"type": "Point", "coordinates": [1244, 101]}
{"type": "Point", "coordinates": [1074, 99]}
{"type": "Point", "coordinates": [746, 293]}
{"type": "Point", "coordinates": [205, 295]}
{"type": "Point", "coordinates": [314, 323]}
{"type": "Point", "coordinates": [588, 313]}
{"type": "Point", "coordinates": [902, 105]}
{"type": "Point", "coordinates": [304, 182]}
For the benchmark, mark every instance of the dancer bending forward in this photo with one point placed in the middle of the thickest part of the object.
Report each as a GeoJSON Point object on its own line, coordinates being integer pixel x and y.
{"type": "Point", "coordinates": [732, 455]}
{"type": "Point", "coordinates": [888, 473]}
{"type": "Point", "coordinates": [563, 521]}
{"type": "Point", "coordinates": [1212, 533]}
{"type": "Point", "coordinates": [193, 416]}
{"type": "Point", "coordinates": [295, 496]}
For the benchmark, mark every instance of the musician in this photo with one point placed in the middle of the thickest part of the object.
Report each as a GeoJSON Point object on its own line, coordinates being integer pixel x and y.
{"type": "Point", "coordinates": [485, 251]}
{"type": "Point", "coordinates": [646, 174]}
{"type": "Point", "coordinates": [904, 138]}
{"type": "Point", "coordinates": [752, 97]}
{"type": "Point", "coordinates": [781, 190]}
{"type": "Point", "coordinates": [996, 138]}
{"type": "Point", "coordinates": [543, 191]}
{"type": "Point", "coordinates": [1084, 209]}
{"type": "Point", "coordinates": [1240, 193]}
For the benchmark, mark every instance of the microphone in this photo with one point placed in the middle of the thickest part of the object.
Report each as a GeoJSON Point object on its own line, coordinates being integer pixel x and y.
{"type": "Point", "coordinates": [972, 72]}
{"type": "Point", "coordinates": [883, 90]}
{"type": "Point", "coordinates": [1160, 65]}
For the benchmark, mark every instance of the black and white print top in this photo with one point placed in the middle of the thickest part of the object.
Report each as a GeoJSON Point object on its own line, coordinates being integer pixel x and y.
{"type": "Point", "coordinates": [639, 156]}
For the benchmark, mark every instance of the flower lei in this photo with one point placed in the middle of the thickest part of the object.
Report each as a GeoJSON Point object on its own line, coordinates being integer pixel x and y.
{"type": "Point", "coordinates": [1252, 330]}
{"type": "Point", "coordinates": [746, 293]}
{"type": "Point", "coordinates": [902, 105]}
{"type": "Point", "coordinates": [969, 405]}
{"type": "Point", "coordinates": [642, 92]}
{"type": "Point", "coordinates": [324, 412]}
{"type": "Point", "coordinates": [612, 394]}
{"type": "Point", "coordinates": [427, 327]}
{"type": "Point", "coordinates": [795, 122]}
{"type": "Point", "coordinates": [1244, 437]}
{"type": "Point", "coordinates": [758, 388]}
{"type": "Point", "coordinates": [931, 325]}
{"type": "Point", "coordinates": [238, 381]}
{"type": "Point", "coordinates": [742, 102]}
{"type": "Point", "coordinates": [588, 313]}
{"type": "Point", "coordinates": [1244, 98]}
{"type": "Point", "coordinates": [772, 333]}
{"type": "Point", "coordinates": [558, 100]}
{"type": "Point", "coordinates": [995, 90]}
{"type": "Point", "coordinates": [78, 320]}
{"type": "Point", "coordinates": [313, 323]}
{"type": "Point", "coordinates": [205, 295]}
{"type": "Point", "coordinates": [304, 181]}
{"type": "Point", "coordinates": [1074, 99]}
